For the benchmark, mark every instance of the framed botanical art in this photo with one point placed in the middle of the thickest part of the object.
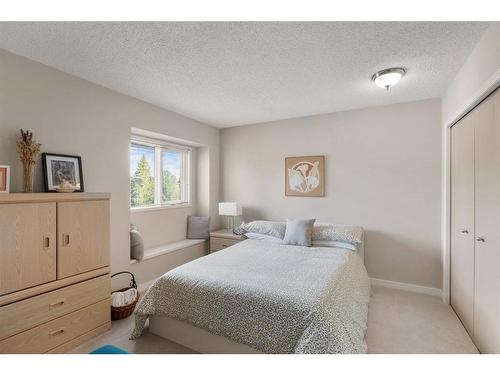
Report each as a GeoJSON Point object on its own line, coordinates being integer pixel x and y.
{"type": "Point", "coordinates": [4, 178]}
{"type": "Point", "coordinates": [58, 169]}
{"type": "Point", "coordinates": [305, 176]}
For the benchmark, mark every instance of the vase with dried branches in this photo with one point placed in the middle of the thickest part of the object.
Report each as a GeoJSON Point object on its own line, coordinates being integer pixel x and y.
{"type": "Point", "coordinates": [28, 151]}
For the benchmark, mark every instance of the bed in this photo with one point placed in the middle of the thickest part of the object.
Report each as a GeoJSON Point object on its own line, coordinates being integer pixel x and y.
{"type": "Point", "coordinates": [263, 297]}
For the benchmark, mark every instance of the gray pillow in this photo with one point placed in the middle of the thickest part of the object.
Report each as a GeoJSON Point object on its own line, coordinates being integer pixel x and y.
{"type": "Point", "coordinates": [198, 227]}
{"type": "Point", "coordinates": [299, 232]}
{"type": "Point", "coordinates": [136, 244]}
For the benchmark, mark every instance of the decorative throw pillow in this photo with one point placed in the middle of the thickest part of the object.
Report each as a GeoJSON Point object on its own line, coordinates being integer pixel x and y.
{"type": "Point", "coordinates": [136, 244]}
{"type": "Point", "coordinates": [343, 233]}
{"type": "Point", "coordinates": [270, 228]}
{"type": "Point", "coordinates": [240, 229]}
{"type": "Point", "coordinates": [299, 232]}
{"type": "Point", "coordinates": [198, 227]}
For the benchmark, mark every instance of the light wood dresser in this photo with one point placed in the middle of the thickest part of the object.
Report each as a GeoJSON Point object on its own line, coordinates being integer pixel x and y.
{"type": "Point", "coordinates": [54, 270]}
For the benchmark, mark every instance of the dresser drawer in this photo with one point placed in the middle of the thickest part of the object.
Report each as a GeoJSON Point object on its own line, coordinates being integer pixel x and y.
{"type": "Point", "coordinates": [219, 243]}
{"type": "Point", "coordinates": [22, 315]}
{"type": "Point", "coordinates": [56, 332]}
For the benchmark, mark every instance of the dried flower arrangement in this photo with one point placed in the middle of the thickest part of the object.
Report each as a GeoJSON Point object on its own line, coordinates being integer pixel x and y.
{"type": "Point", "coordinates": [28, 151]}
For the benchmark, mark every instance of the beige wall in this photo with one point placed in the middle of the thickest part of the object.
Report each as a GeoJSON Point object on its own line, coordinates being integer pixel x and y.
{"type": "Point", "coordinates": [383, 171]}
{"type": "Point", "coordinates": [483, 62]}
{"type": "Point", "coordinates": [163, 226]}
{"type": "Point", "coordinates": [73, 116]}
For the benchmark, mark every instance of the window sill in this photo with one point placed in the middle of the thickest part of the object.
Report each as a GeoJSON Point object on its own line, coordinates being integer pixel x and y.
{"type": "Point", "coordinates": [156, 208]}
{"type": "Point", "coordinates": [170, 248]}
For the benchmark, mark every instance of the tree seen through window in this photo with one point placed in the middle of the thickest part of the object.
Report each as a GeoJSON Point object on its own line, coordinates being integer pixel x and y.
{"type": "Point", "coordinates": [143, 175]}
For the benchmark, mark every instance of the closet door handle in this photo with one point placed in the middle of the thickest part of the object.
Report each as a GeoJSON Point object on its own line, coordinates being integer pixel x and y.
{"type": "Point", "coordinates": [480, 239]}
{"type": "Point", "coordinates": [465, 231]}
{"type": "Point", "coordinates": [46, 242]}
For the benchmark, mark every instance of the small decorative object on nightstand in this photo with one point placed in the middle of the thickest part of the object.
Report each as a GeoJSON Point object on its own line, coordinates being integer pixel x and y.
{"type": "Point", "coordinates": [223, 238]}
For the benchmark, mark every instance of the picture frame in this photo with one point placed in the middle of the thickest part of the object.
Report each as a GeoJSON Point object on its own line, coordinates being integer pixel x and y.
{"type": "Point", "coordinates": [4, 179]}
{"type": "Point", "coordinates": [305, 176]}
{"type": "Point", "coordinates": [60, 167]}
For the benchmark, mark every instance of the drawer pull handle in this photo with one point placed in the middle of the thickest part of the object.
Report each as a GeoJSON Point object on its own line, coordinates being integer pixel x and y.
{"type": "Point", "coordinates": [57, 304]}
{"type": "Point", "coordinates": [58, 332]}
{"type": "Point", "coordinates": [480, 239]}
{"type": "Point", "coordinates": [465, 231]}
{"type": "Point", "coordinates": [46, 242]}
{"type": "Point", "coordinates": [65, 239]}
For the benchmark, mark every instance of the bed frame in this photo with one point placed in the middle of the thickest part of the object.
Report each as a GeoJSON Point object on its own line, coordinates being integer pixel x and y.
{"type": "Point", "coordinates": [199, 339]}
{"type": "Point", "coordinates": [196, 338]}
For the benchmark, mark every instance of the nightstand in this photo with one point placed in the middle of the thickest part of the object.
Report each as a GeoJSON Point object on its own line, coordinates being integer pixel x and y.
{"type": "Point", "coordinates": [222, 238]}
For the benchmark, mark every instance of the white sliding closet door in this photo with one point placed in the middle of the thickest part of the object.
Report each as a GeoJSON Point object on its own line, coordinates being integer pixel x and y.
{"type": "Point", "coordinates": [487, 221]}
{"type": "Point", "coordinates": [462, 220]}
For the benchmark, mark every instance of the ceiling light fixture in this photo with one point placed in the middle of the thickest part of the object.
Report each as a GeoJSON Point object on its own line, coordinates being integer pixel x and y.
{"type": "Point", "coordinates": [388, 77]}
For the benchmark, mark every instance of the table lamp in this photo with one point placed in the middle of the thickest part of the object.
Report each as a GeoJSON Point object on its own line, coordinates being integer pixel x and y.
{"type": "Point", "coordinates": [230, 209]}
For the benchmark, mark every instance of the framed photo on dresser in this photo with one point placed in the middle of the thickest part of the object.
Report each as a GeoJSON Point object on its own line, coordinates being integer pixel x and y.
{"type": "Point", "coordinates": [58, 169]}
{"type": "Point", "coordinates": [4, 178]}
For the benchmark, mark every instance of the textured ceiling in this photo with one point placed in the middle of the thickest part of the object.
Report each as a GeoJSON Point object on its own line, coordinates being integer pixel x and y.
{"type": "Point", "coordinates": [227, 74]}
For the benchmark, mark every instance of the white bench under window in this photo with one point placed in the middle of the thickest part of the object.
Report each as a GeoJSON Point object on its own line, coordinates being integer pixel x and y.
{"type": "Point", "coordinates": [165, 249]}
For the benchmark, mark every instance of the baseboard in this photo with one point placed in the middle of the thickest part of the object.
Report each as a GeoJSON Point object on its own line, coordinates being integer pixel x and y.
{"type": "Point", "coordinates": [408, 287]}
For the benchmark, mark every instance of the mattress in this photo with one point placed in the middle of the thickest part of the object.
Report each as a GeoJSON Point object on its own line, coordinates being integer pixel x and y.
{"type": "Point", "coordinates": [274, 298]}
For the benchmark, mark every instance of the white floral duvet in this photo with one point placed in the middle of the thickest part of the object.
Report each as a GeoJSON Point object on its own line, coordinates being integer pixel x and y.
{"type": "Point", "coordinates": [272, 297]}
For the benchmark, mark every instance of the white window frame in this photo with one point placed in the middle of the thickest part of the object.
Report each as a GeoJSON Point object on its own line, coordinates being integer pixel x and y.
{"type": "Point", "coordinates": [160, 146]}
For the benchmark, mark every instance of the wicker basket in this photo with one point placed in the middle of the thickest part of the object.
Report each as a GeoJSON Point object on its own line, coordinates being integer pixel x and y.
{"type": "Point", "coordinates": [122, 312]}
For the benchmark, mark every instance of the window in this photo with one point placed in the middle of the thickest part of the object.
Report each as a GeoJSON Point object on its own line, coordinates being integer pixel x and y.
{"type": "Point", "coordinates": [159, 173]}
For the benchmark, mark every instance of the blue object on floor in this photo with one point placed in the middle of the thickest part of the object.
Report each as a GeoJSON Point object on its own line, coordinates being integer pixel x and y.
{"type": "Point", "coordinates": [109, 349]}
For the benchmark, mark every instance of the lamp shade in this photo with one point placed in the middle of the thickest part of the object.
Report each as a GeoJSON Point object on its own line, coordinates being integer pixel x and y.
{"type": "Point", "coordinates": [229, 209]}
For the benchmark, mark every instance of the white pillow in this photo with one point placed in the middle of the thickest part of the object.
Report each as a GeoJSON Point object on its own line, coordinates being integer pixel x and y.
{"type": "Point", "coordinates": [262, 237]}
{"type": "Point", "coordinates": [270, 228]}
{"type": "Point", "coordinates": [342, 245]}
{"type": "Point", "coordinates": [338, 244]}
{"type": "Point", "coordinates": [343, 233]}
